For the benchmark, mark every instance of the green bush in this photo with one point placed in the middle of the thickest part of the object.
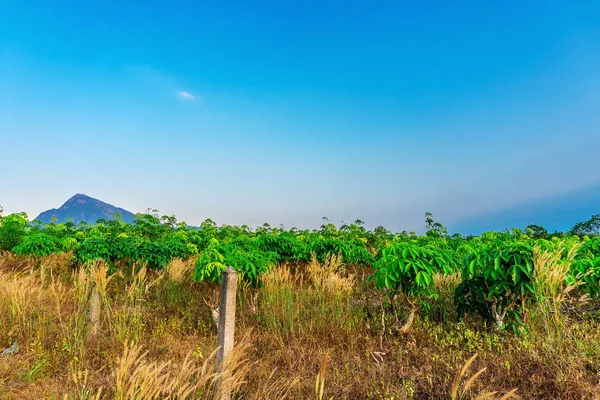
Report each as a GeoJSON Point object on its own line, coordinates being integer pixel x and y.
{"type": "Point", "coordinates": [352, 251]}
{"type": "Point", "coordinates": [409, 268]}
{"type": "Point", "coordinates": [158, 254]}
{"type": "Point", "coordinates": [250, 264]}
{"type": "Point", "coordinates": [13, 229]}
{"type": "Point", "coordinates": [497, 282]}
{"type": "Point", "coordinates": [110, 249]}
{"type": "Point", "coordinates": [286, 245]}
{"type": "Point", "coordinates": [586, 266]}
{"type": "Point", "coordinates": [39, 245]}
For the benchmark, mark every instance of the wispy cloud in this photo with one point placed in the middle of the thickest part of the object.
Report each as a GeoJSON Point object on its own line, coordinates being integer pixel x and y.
{"type": "Point", "coordinates": [186, 95]}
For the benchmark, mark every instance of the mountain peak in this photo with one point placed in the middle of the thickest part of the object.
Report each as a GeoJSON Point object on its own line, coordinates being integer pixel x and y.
{"type": "Point", "coordinates": [80, 198]}
{"type": "Point", "coordinates": [80, 195]}
{"type": "Point", "coordinates": [82, 207]}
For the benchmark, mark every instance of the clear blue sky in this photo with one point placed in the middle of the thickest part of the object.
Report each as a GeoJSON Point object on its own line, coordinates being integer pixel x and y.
{"type": "Point", "coordinates": [284, 112]}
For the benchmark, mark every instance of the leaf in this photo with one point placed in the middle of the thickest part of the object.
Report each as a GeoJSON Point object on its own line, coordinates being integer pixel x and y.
{"type": "Point", "coordinates": [472, 267]}
{"type": "Point", "coordinates": [526, 271]}
{"type": "Point", "coordinates": [419, 278]}
{"type": "Point", "coordinates": [413, 252]}
{"type": "Point", "coordinates": [428, 279]}
{"type": "Point", "coordinates": [497, 263]}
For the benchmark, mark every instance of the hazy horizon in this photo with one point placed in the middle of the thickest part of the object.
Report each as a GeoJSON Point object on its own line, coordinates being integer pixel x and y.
{"type": "Point", "coordinates": [258, 113]}
{"type": "Point", "coordinates": [579, 206]}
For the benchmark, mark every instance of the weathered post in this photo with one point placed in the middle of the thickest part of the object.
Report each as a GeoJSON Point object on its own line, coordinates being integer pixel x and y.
{"type": "Point", "coordinates": [94, 312]}
{"type": "Point", "coordinates": [95, 304]}
{"type": "Point", "coordinates": [226, 325]}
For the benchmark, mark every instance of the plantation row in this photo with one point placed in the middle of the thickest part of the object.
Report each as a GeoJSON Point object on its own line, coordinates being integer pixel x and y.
{"type": "Point", "coordinates": [497, 269]}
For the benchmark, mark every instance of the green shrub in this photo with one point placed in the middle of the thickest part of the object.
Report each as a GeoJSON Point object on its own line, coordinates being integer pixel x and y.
{"type": "Point", "coordinates": [587, 270]}
{"type": "Point", "coordinates": [286, 245]}
{"type": "Point", "coordinates": [352, 251]}
{"type": "Point", "coordinates": [110, 249]}
{"type": "Point", "coordinates": [497, 282]}
{"type": "Point", "coordinates": [13, 229]}
{"type": "Point", "coordinates": [250, 264]}
{"type": "Point", "coordinates": [39, 245]}
{"type": "Point", "coordinates": [409, 268]}
{"type": "Point", "coordinates": [159, 253]}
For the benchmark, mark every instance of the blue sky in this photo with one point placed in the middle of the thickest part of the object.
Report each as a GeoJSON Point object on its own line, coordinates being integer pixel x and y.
{"type": "Point", "coordinates": [284, 112]}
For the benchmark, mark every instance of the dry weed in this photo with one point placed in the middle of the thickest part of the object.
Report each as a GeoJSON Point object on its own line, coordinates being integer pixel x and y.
{"type": "Point", "coordinates": [136, 378]}
{"type": "Point", "coordinates": [551, 271]}
{"type": "Point", "coordinates": [328, 278]}
{"type": "Point", "coordinates": [178, 270]}
{"type": "Point", "coordinates": [458, 391]}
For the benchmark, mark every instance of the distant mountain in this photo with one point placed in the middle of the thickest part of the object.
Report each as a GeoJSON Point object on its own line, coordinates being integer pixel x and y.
{"type": "Point", "coordinates": [559, 212]}
{"type": "Point", "coordinates": [84, 208]}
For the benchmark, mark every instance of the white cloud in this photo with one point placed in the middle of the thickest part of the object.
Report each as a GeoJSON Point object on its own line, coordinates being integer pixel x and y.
{"type": "Point", "coordinates": [186, 95]}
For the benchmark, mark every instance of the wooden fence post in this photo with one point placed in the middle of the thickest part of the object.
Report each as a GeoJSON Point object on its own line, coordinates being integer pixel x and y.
{"type": "Point", "coordinates": [226, 326]}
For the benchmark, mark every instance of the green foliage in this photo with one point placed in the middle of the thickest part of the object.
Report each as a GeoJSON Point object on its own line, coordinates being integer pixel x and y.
{"type": "Point", "coordinates": [537, 231]}
{"type": "Point", "coordinates": [589, 227]}
{"type": "Point", "coordinates": [210, 264]}
{"type": "Point", "coordinates": [587, 270]}
{"type": "Point", "coordinates": [496, 267]}
{"type": "Point", "coordinates": [39, 245]}
{"type": "Point", "coordinates": [409, 268]}
{"type": "Point", "coordinates": [250, 264]}
{"type": "Point", "coordinates": [497, 282]}
{"type": "Point", "coordinates": [286, 245]}
{"type": "Point", "coordinates": [586, 266]}
{"type": "Point", "coordinates": [590, 248]}
{"type": "Point", "coordinates": [111, 249]}
{"type": "Point", "coordinates": [353, 252]}
{"type": "Point", "coordinates": [69, 244]}
{"type": "Point", "coordinates": [13, 229]}
{"type": "Point", "coordinates": [155, 254]}
{"type": "Point", "coordinates": [433, 228]}
{"type": "Point", "coordinates": [152, 227]}
{"type": "Point", "coordinates": [159, 253]}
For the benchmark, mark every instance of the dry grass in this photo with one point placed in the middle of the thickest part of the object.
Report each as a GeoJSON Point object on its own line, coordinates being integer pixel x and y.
{"type": "Point", "coordinates": [278, 279]}
{"type": "Point", "coordinates": [444, 285]}
{"type": "Point", "coordinates": [11, 263]}
{"type": "Point", "coordinates": [315, 303]}
{"type": "Point", "coordinates": [179, 270]}
{"type": "Point", "coordinates": [463, 391]}
{"type": "Point", "coordinates": [136, 378]}
{"type": "Point", "coordinates": [554, 289]}
{"type": "Point", "coordinates": [58, 264]}
{"type": "Point", "coordinates": [328, 277]}
{"type": "Point", "coordinates": [311, 334]}
{"type": "Point", "coordinates": [551, 281]}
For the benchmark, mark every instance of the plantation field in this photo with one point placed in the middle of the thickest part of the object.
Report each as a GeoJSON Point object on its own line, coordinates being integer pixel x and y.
{"type": "Point", "coordinates": [338, 312]}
